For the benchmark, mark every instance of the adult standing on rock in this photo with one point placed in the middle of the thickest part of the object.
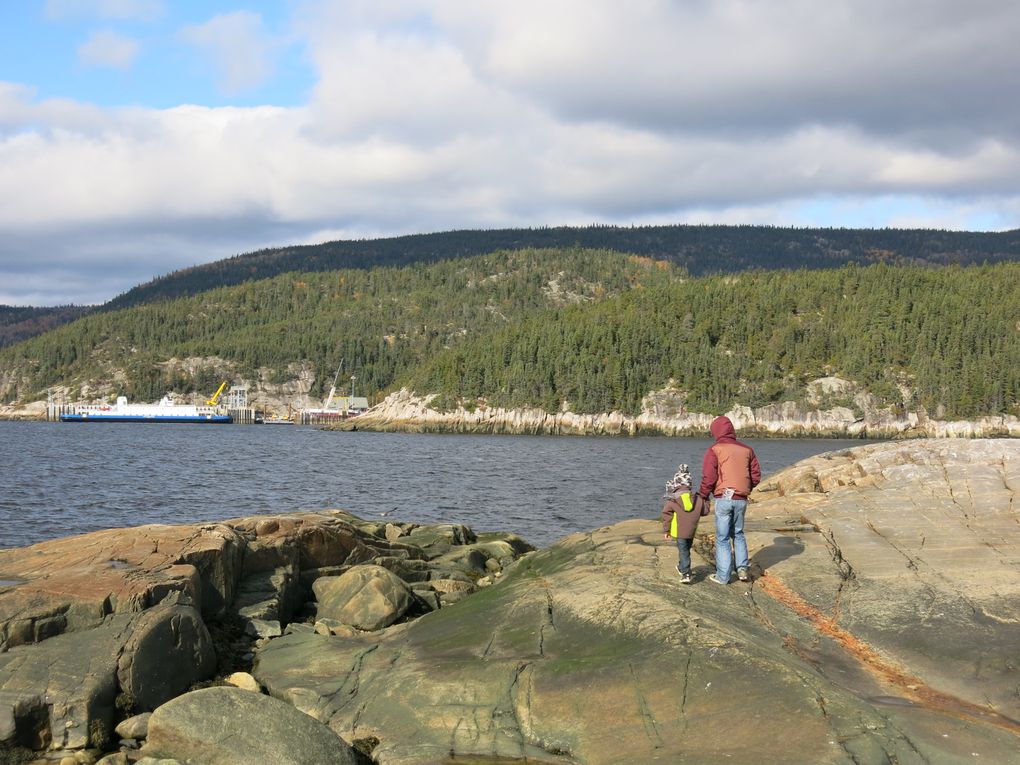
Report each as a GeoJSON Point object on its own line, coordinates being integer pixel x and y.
{"type": "Point", "coordinates": [729, 471]}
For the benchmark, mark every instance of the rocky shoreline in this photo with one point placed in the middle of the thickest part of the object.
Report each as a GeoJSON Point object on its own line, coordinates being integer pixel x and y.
{"type": "Point", "coordinates": [405, 411]}
{"type": "Point", "coordinates": [664, 413]}
{"type": "Point", "coordinates": [880, 625]}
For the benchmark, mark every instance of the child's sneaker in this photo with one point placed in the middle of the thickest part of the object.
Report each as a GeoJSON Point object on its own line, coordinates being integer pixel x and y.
{"type": "Point", "coordinates": [717, 580]}
{"type": "Point", "coordinates": [742, 575]}
{"type": "Point", "coordinates": [685, 578]}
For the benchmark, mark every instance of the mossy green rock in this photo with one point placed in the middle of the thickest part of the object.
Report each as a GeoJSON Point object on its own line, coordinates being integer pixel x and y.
{"type": "Point", "coordinates": [591, 651]}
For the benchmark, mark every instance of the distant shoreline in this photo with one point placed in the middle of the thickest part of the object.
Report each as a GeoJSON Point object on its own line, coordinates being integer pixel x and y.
{"type": "Point", "coordinates": [406, 412]}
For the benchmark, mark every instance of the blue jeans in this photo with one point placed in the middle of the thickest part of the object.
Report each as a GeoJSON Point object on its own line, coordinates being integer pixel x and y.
{"type": "Point", "coordinates": [684, 546]}
{"type": "Point", "coordinates": [729, 527]}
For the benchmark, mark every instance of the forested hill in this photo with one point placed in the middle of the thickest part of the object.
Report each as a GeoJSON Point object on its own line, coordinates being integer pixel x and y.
{"type": "Point", "coordinates": [699, 249]}
{"type": "Point", "coordinates": [381, 321]}
{"type": "Point", "coordinates": [18, 323]}
{"type": "Point", "coordinates": [594, 330]}
{"type": "Point", "coordinates": [946, 339]}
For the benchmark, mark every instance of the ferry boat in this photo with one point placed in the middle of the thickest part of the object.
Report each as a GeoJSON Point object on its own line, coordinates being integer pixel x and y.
{"type": "Point", "coordinates": [165, 411]}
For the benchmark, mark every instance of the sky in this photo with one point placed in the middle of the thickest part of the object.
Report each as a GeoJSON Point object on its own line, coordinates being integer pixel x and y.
{"type": "Point", "coordinates": [138, 137]}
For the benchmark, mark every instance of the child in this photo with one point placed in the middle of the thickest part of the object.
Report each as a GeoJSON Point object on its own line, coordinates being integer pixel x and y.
{"type": "Point", "coordinates": [680, 517]}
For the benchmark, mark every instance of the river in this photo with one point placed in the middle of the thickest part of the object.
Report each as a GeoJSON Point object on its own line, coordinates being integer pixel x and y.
{"type": "Point", "coordinates": [61, 479]}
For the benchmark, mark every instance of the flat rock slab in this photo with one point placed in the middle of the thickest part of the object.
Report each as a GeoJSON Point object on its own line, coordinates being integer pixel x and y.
{"type": "Point", "coordinates": [591, 651]}
{"type": "Point", "coordinates": [923, 542]}
{"type": "Point", "coordinates": [230, 726]}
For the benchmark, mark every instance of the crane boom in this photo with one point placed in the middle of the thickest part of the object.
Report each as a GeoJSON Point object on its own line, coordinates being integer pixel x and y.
{"type": "Point", "coordinates": [216, 395]}
{"type": "Point", "coordinates": [332, 388]}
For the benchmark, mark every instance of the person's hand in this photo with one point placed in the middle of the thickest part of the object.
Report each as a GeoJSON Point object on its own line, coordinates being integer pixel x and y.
{"type": "Point", "coordinates": [666, 536]}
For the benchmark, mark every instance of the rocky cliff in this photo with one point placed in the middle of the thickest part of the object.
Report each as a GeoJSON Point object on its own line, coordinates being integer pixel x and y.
{"type": "Point", "coordinates": [880, 625]}
{"type": "Point", "coordinates": [664, 414]}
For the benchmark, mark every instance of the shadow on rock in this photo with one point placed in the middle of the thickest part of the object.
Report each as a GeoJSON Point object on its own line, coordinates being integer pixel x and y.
{"type": "Point", "coordinates": [782, 548]}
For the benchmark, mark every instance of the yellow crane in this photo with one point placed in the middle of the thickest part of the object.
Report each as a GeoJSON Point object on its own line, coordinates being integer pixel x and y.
{"type": "Point", "coordinates": [216, 395]}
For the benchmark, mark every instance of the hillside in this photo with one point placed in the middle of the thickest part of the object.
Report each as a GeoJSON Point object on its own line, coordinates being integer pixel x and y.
{"type": "Point", "coordinates": [19, 323]}
{"type": "Point", "coordinates": [699, 249]}
{"type": "Point", "coordinates": [591, 330]}
{"type": "Point", "coordinates": [943, 339]}
{"type": "Point", "coordinates": [292, 330]}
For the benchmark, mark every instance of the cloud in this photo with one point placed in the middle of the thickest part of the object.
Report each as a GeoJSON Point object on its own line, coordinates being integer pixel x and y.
{"type": "Point", "coordinates": [747, 67]}
{"type": "Point", "coordinates": [436, 115]}
{"type": "Point", "coordinates": [108, 49]}
{"type": "Point", "coordinates": [238, 47]}
{"type": "Point", "coordinates": [142, 10]}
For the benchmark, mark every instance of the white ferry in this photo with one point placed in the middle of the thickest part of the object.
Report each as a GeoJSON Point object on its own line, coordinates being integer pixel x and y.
{"type": "Point", "coordinates": [165, 411]}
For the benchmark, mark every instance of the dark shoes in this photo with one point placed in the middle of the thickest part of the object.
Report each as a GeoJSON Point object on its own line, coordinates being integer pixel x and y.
{"type": "Point", "coordinates": [742, 575]}
{"type": "Point", "coordinates": [684, 578]}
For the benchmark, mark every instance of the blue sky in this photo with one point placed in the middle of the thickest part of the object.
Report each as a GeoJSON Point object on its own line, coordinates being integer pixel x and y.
{"type": "Point", "coordinates": [142, 136]}
{"type": "Point", "coordinates": [47, 46]}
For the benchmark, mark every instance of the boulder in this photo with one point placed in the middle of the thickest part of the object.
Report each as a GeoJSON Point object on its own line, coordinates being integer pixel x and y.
{"type": "Point", "coordinates": [63, 692]}
{"type": "Point", "coordinates": [244, 681]}
{"type": "Point", "coordinates": [168, 651]}
{"type": "Point", "coordinates": [229, 726]}
{"type": "Point", "coordinates": [367, 597]}
{"type": "Point", "coordinates": [136, 727]}
{"type": "Point", "coordinates": [437, 539]}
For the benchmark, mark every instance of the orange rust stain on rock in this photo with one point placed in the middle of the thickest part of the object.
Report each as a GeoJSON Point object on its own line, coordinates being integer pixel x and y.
{"type": "Point", "coordinates": [911, 686]}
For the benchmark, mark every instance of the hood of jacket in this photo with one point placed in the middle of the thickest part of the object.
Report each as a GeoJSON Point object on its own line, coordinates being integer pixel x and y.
{"type": "Point", "coordinates": [722, 428]}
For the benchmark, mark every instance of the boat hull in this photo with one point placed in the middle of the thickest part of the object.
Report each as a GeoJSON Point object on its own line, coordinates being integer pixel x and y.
{"type": "Point", "coordinates": [206, 419]}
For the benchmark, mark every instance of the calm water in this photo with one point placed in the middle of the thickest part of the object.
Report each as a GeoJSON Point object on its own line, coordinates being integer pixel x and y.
{"type": "Point", "coordinates": [61, 479]}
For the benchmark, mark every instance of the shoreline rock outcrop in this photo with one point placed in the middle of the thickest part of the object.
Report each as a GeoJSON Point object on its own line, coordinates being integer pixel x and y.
{"type": "Point", "coordinates": [831, 407]}
{"type": "Point", "coordinates": [106, 625]}
{"type": "Point", "coordinates": [405, 411]}
{"type": "Point", "coordinates": [880, 626]}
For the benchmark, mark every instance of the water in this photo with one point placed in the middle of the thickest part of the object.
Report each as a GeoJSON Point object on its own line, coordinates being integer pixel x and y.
{"type": "Point", "coordinates": [60, 479]}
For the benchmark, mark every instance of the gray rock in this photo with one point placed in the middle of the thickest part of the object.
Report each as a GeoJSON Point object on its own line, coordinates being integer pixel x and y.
{"type": "Point", "coordinates": [367, 597]}
{"type": "Point", "coordinates": [333, 627]}
{"type": "Point", "coordinates": [95, 625]}
{"type": "Point", "coordinates": [262, 628]}
{"type": "Point", "coordinates": [268, 595]}
{"type": "Point", "coordinates": [134, 727]}
{"type": "Point", "coordinates": [169, 650]}
{"type": "Point", "coordinates": [116, 758]}
{"type": "Point", "coordinates": [228, 726]}
{"type": "Point", "coordinates": [60, 693]}
{"type": "Point", "coordinates": [437, 540]}
{"type": "Point", "coordinates": [427, 596]}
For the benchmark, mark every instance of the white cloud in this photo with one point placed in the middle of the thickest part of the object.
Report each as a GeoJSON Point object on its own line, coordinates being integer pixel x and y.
{"type": "Point", "coordinates": [106, 48]}
{"type": "Point", "coordinates": [144, 10]}
{"type": "Point", "coordinates": [436, 115]}
{"type": "Point", "coordinates": [238, 46]}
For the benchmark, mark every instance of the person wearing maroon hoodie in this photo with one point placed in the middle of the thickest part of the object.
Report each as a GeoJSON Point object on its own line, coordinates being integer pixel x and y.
{"type": "Point", "coordinates": [729, 471]}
